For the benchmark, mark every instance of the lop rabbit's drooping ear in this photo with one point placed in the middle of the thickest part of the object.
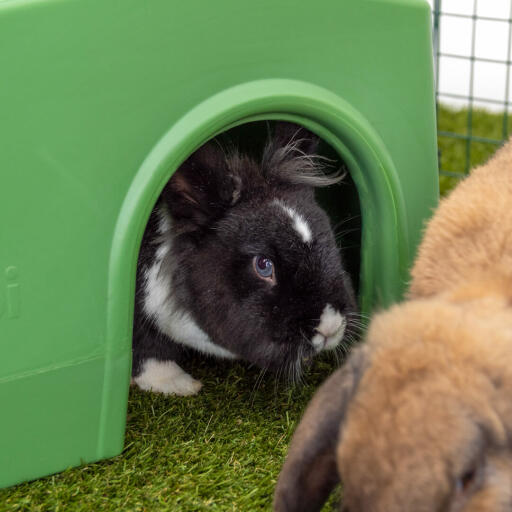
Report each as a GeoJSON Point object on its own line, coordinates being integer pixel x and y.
{"type": "Point", "coordinates": [310, 471]}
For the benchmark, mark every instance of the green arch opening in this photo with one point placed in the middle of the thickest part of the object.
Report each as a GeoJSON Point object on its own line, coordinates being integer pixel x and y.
{"type": "Point", "coordinates": [384, 244]}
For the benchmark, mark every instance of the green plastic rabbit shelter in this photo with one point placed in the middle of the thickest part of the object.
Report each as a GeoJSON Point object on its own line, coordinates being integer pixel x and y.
{"type": "Point", "coordinates": [101, 100]}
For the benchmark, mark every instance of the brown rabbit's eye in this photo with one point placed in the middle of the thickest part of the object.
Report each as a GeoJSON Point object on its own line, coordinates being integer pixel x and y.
{"type": "Point", "coordinates": [465, 481]}
{"type": "Point", "coordinates": [264, 267]}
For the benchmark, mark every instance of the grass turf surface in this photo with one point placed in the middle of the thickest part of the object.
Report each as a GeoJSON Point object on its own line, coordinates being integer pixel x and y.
{"type": "Point", "coordinates": [453, 151]}
{"type": "Point", "coordinates": [223, 449]}
{"type": "Point", "coordinates": [219, 450]}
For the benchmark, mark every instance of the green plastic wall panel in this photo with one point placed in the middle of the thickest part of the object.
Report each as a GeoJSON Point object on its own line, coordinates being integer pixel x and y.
{"type": "Point", "coordinates": [101, 100]}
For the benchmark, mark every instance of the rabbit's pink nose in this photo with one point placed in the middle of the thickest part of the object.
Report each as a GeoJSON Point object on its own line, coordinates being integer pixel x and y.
{"type": "Point", "coordinates": [330, 330]}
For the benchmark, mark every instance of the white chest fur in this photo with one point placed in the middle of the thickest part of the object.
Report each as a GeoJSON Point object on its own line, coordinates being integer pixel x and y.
{"type": "Point", "coordinates": [160, 303]}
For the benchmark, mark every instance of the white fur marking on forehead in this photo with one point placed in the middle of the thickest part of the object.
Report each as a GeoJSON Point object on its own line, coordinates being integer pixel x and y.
{"type": "Point", "coordinates": [299, 222]}
{"type": "Point", "coordinates": [330, 330]}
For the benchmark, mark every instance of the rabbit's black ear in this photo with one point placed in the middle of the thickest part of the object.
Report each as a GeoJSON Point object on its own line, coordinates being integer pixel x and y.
{"type": "Point", "coordinates": [304, 141]}
{"type": "Point", "coordinates": [290, 156]}
{"type": "Point", "coordinates": [202, 188]}
{"type": "Point", "coordinates": [310, 472]}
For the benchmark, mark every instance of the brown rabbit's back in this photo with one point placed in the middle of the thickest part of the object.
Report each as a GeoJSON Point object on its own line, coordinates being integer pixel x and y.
{"type": "Point", "coordinates": [471, 232]}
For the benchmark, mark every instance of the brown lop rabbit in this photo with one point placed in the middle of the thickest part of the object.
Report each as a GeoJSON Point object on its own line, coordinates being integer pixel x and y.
{"type": "Point", "coordinates": [419, 419]}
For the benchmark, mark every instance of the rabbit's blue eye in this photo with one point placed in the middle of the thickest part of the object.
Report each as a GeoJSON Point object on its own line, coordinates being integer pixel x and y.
{"type": "Point", "coordinates": [264, 267]}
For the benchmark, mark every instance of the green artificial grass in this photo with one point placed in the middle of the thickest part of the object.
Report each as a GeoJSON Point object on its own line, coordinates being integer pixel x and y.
{"type": "Point", "coordinates": [453, 152]}
{"type": "Point", "coordinates": [223, 449]}
{"type": "Point", "coordinates": [220, 450]}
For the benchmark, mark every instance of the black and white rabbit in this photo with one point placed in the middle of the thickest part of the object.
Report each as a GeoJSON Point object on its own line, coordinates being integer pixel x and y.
{"type": "Point", "coordinates": [238, 261]}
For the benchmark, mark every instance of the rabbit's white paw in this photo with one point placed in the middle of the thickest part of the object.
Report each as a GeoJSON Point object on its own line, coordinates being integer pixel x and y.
{"type": "Point", "coordinates": [166, 377]}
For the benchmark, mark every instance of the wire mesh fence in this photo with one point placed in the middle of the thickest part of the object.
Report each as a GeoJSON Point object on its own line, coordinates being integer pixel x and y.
{"type": "Point", "coordinates": [470, 131]}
